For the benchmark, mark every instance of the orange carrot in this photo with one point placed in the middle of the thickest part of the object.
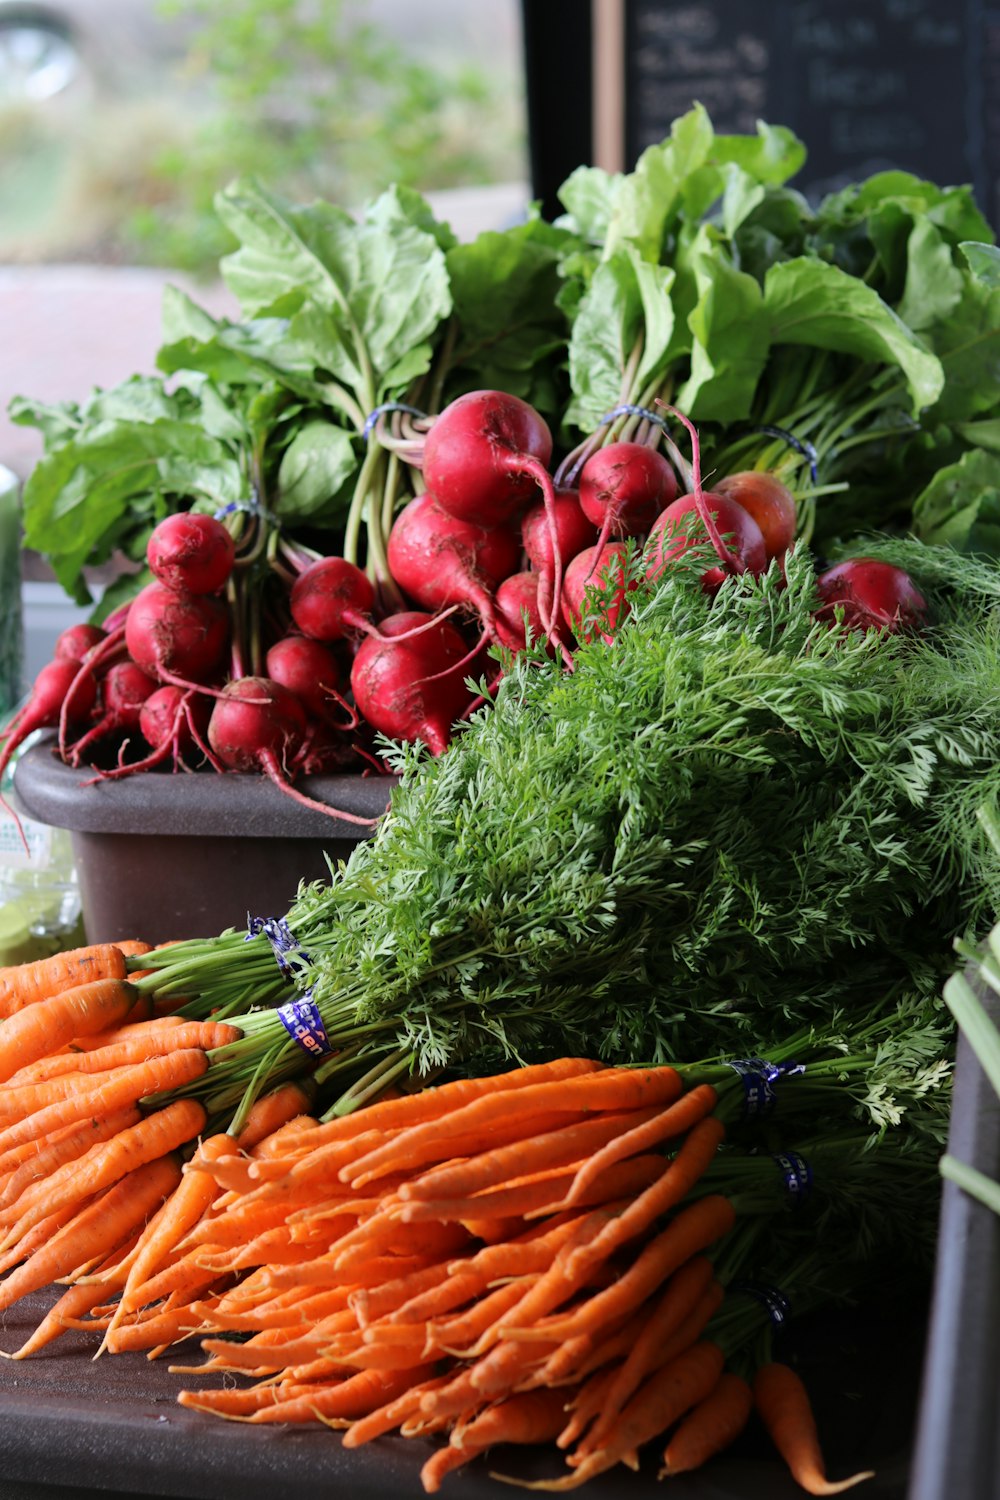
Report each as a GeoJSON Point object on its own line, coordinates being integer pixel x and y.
{"type": "Point", "coordinates": [80, 1298]}
{"type": "Point", "coordinates": [692, 1230]}
{"type": "Point", "coordinates": [97, 1229]}
{"type": "Point", "coordinates": [664, 1125]}
{"type": "Point", "coordinates": [564, 1146]}
{"type": "Point", "coordinates": [157, 1025]}
{"type": "Point", "coordinates": [783, 1403]}
{"type": "Point", "coordinates": [18, 1103]}
{"type": "Point", "coordinates": [37, 1236]}
{"type": "Point", "coordinates": [390, 1415]}
{"type": "Point", "coordinates": [65, 1145]}
{"type": "Point", "coordinates": [47, 1025]}
{"type": "Point", "coordinates": [25, 984]}
{"type": "Point", "coordinates": [110, 1161]}
{"type": "Point", "coordinates": [133, 1047]}
{"type": "Point", "coordinates": [709, 1427]}
{"type": "Point", "coordinates": [354, 1397]}
{"type": "Point", "coordinates": [533, 1417]}
{"type": "Point", "coordinates": [493, 1115]}
{"type": "Point", "coordinates": [540, 1194]}
{"type": "Point", "coordinates": [151, 1077]}
{"type": "Point", "coordinates": [684, 1170]}
{"type": "Point", "coordinates": [276, 1108]}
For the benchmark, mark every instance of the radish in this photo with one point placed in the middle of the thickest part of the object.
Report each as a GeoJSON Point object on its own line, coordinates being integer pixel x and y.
{"type": "Point", "coordinates": [623, 488]}
{"type": "Point", "coordinates": [770, 502]}
{"type": "Point", "coordinates": [172, 721]}
{"type": "Point", "coordinates": [191, 553]}
{"type": "Point", "coordinates": [308, 669]}
{"type": "Point", "coordinates": [671, 535]}
{"type": "Point", "coordinates": [439, 560]}
{"type": "Point", "coordinates": [573, 531]}
{"type": "Point", "coordinates": [258, 725]}
{"type": "Point", "coordinates": [331, 599]}
{"type": "Point", "coordinates": [594, 571]}
{"type": "Point", "coordinates": [178, 638]}
{"type": "Point", "coordinates": [123, 691]}
{"type": "Point", "coordinates": [517, 602]}
{"type": "Point", "coordinates": [871, 595]}
{"type": "Point", "coordinates": [409, 683]}
{"type": "Point", "coordinates": [41, 710]}
{"type": "Point", "coordinates": [73, 643]}
{"type": "Point", "coordinates": [484, 456]}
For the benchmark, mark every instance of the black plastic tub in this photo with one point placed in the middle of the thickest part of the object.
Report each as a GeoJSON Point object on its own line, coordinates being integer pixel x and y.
{"type": "Point", "coordinates": [957, 1448]}
{"type": "Point", "coordinates": [163, 855]}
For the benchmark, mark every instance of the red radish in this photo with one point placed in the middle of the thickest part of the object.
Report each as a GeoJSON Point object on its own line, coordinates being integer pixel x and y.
{"type": "Point", "coordinates": [871, 595]}
{"type": "Point", "coordinates": [41, 710]}
{"type": "Point", "coordinates": [439, 561]}
{"type": "Point", "coordinates": [258, 725]}
{"type": "Point", "coordinates": [123, 691]}
{"type": "Point", "coordinates": [485, 455]}
{"type": "Point", "coordinates": [594, 571]}
{"type": "Point", "coordinates": [623, 488]}
{"type": "Point", "coordinates": [308, 669]}
{"type": "Point", "coordinates": [73, 643]}
{"type": "Point", "coordinates": [331, 599]}
{"type": "Point", "coordinates": [172, 721]}
{"type": "Point", "coordinates": [517, 600]}
{"type": "Point", "coordinates": [573, 531]}
{"type": "Point", "coordinates": [409, 683]}
{"type": "Point", "coordinates": [671, 537]}
{"type": "Point", "coordinates": [178, 638]}
{"type": "Point", "coordinates": [191, 553]}
{"type": "Point", "coordinates": [770, 502]}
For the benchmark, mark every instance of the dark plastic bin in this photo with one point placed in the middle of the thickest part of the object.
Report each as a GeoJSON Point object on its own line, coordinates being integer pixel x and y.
{"type": "Point", "coordinates": [957, 1450]}
{"type": "Point", "coordinates": [161, 856]}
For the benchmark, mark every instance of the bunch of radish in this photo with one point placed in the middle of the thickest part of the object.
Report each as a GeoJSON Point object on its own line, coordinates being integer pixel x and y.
{"type": "Point", "coordinates": [292, 665]}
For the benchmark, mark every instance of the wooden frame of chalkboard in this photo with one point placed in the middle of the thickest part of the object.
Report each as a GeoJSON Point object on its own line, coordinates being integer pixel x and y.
{"type": "Point", "coordinates": [868, 85]}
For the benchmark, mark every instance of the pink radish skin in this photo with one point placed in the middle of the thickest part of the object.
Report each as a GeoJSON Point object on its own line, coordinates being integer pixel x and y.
{"type": "Point", "coordinates": [410, 684]}
{"type": "Point", "coordinates": [573, 531]}
{"type": "Point", "coordinates": [123, 691]}
{"type": "Point", "coordinates": [332, 599]}
{"type": "Point", "coordinates": [191, 553]}
{"type": "Point", "coordinates": [439, 561]}
{"type": "Point", "coordinates": [178, 638]}
{"type": "Point", "coordinates": [670, 538]}
{"type": "Point", "coordinates": [872, 595]}
{"type": "Point", "coordinates": [517, 600]}
{"type": "Point", "coordinates": [309, 670]}
{"type": "Point", "coordinates": [73, 643]}
{"type": "Point", "coordinates": [482, 456]}
{"type": "Point", "coordinates": [591, 570]}
{"type": "Point", "coordinates": [258, 725]}
{"type": "Point", "coordinates": [42, 710]}
{"type": "Point", "coordinates": [623, 488]}
{"type": "Point", "coordinates": [770, 502]}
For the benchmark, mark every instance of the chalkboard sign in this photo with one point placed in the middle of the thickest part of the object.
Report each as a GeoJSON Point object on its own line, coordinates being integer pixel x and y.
{"type": "Point", "coordinates": [866, 84]}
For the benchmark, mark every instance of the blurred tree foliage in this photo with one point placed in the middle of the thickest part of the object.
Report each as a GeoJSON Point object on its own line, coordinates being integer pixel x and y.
{"type": "Point", "coordinates": [316, 101]}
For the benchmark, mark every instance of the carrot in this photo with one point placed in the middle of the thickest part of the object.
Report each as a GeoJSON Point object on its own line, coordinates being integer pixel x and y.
{"type": "Point", "coordinates": [692, 1230]}
{"type": "Point", "coordinates": [19, 1103]}
{"type": "Point", "coordinates": [492, 1116]}
{"type": "Point", "coordinates": [135, 1046]}
{"type": "Point", "coordinates": [563, 1146]}
{"type": "Point", "coordinates": [664, 1125]}
{"type": "Point", "coordinates": [160, 1026]}
{"type": "Point", "coordinates": [185, 1206]}
{"type": "Point", "coordinates": [110, 1161]}
{"type": "Point", "coordinates": [783, 1403]}
{"type": "Point", "coordinates": [709, 1427]}
{"type": "Point", "coordinates": [684, 1170]}
{"type": "Point", "coordinates": [276, 1108]}
{"type": "Point", "coordinates": [47, 1025]}
{"type": "Point", "coordinates": [354, 1397]}
{"type": "Point", "coordinates": [532, 1417]}
{"type": "Point", "coordinates": [98, 1228]}
{"type": "Point", "coordinates": [23, 985]}
{"type": "Point", "coordinates": [69, 1144]}
{"type": "Point", "coordinates": [167, 1326]}
{"type": "Point", "coordinates": [80, 1298]}
{"type": "Point", "coordinates": [391, 1414]}
{"type": "Point", "coordinates": [539, 1194]}
{"type": "Point", "coordinates": [151, 1077]}
{"type": "Point", "coordinates": [33, 1238]}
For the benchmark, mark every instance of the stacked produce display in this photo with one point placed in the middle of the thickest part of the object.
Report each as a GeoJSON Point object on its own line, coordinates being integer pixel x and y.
{"type": "Point", "coordinates": [654, 551]}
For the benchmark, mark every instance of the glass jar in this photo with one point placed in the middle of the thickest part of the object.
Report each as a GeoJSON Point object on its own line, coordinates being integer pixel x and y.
{"type": "Point", "coordinates": [11, 623]}
{"type": "Point", "coordinates": [39, 892]}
